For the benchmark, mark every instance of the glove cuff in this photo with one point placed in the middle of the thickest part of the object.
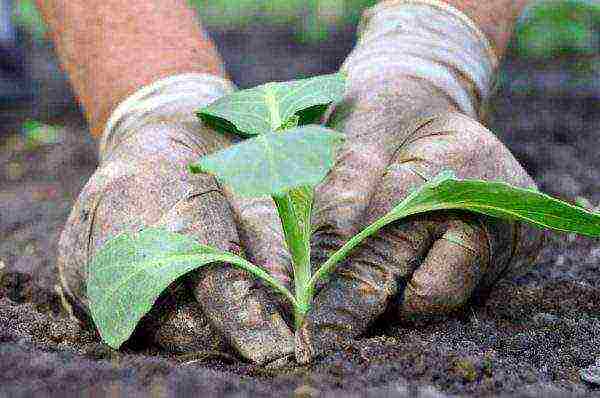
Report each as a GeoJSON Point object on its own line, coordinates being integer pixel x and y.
{"type": "Point", "coordinates": [174, 97]}
{"type": "Point", "coordinates": [425, 40]}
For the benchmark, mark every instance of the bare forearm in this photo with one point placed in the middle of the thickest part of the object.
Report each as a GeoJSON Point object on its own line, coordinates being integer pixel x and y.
{"type": "Point", "coordinates": [496, 18]}
{"type": "Point", "coordinates": [110, 48]}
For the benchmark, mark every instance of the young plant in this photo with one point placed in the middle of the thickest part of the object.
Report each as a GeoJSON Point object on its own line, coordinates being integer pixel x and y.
{"type": "Point", "coordinates": [285, 159]}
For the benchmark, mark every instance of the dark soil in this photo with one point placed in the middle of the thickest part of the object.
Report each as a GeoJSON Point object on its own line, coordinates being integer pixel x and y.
{"type": "Point", "coordinates": [530, 338]}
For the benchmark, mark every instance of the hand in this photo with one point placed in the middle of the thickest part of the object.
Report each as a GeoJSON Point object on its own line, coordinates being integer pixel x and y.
{"type": "Point", "coordinates": [143, 181]}
{"type": "Point", "coordinates": [416, 90]}
{"type": "Point", "coordinates": [427, 266]}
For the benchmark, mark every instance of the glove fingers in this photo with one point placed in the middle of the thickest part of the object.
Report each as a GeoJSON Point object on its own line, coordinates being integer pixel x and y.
{"type": "Point", "coordinates": [438, 260]}
{"type": "Point", "coordinates": [340, 311]}
{"type": "Point", "coordinates": [529, 242]}
{"type": "Point", "coordinates": [243, 313]}
{"type": "Point", "coordinates": [467, 147]}
{"type": "Point", "coordinates": [261, 236]}
{"type": "Point", "coordinates": [360, 290]}
{"type": "Point", "coordinates": [451, 271]}
{"type": "Point", "coordinates": [230, 299]}
{"type": "Point", "coordinates": [343, 197]}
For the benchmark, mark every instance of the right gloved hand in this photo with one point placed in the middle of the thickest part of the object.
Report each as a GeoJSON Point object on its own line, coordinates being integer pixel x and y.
{"type": "Point", "coordinates": [143, 181]}
{"type": "Point", "coordinates": [418, 79]}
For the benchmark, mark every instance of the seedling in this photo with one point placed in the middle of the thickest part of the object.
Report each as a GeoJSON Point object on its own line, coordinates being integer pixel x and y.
{"type": "Point", "coordinates": [285, 158]}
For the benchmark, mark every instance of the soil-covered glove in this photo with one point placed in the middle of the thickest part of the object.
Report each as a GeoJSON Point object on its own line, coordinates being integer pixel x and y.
{"type": "Point", "coordinates": [418, 78]}
{"type": "Point", "coordinates": [143, 181]}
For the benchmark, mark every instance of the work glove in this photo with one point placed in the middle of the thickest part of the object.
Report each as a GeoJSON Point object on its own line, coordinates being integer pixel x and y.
{"type": "Point", "coordinates": [418, 80]}
{"type": "Point", "coordinates": [143, 180]}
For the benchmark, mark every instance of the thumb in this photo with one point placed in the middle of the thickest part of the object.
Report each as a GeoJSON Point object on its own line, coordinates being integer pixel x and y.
{"type": "Point", "coordinates": [361, 289]}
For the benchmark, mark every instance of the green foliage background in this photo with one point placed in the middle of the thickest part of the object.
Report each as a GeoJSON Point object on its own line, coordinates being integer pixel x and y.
{"type": "Point", "coordinates": [548, 28]}
{"type": "Point", "coordinates": [554, 28]}
{"type": "Point", "coordinates": [311, 18]}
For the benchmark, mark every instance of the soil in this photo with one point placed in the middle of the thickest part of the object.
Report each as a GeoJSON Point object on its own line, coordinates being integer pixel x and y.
{"type": "Point", "coordinates": [531, 337]}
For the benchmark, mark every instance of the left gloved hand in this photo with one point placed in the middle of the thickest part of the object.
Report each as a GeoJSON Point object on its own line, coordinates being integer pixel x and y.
{"type": "Point", "coordinates": [410, 113]}
{"type": "Point", "coordinates": [143, 181]}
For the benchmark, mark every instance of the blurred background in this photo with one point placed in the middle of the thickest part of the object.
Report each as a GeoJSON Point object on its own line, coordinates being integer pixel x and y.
{"type": "Point", "coordinates": [547, 107]}
{"type": "Point", "coordinates": [283, 39]}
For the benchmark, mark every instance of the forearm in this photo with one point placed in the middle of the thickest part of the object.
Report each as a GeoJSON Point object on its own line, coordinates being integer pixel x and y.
{"type": "Point", "coordinates": [496, 18]}
{"type": "Point", "coordinates": [111, 48]}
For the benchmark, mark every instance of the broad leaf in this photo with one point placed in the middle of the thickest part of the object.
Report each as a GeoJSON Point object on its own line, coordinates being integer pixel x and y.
{"type": "Point", "coordinates": [495, 199]}
{"type": "Point", "coordinates": [273, 163]}
{"type": "Point", "coordinates": [268, 107]}
{"type": "Point", "coordinates": [130, 271]}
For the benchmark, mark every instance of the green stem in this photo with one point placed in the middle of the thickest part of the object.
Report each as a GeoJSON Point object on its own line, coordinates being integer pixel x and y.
{"type": "Point", "coordinates": [300, 255]}
{"type": "Point", "coordinates": [300, 312]}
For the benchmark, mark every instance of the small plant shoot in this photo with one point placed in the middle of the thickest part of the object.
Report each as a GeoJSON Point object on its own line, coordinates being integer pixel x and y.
{"type": "Point", "coordinates": [285, 158]}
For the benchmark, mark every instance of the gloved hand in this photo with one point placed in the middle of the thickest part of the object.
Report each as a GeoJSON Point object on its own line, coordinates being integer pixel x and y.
{"type": "Point", "coordinates": [142, 181]}
{"type": "Point", "coordinates": [419, 76]}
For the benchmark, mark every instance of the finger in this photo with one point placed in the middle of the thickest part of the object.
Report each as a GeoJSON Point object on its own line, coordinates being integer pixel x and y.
{"type": "Point", "coordinates": [243, 313]}
{"type": "Point", "coordinates": [503, 238]}
{"type": "Point", "coordinates": [452, 269]}
{"type": "Point", "coordinates": [361, 289]}
{"type": "Point", "coordinates": [257, 329]}
{"type": "Point", "coordinates": [229, 298]}
{"type": "Point", "coordinates": [342, 198]}
{"type": "Point", "coordinates": [262, 238]}
{"type": "Point", "coordinates": [184, 328]}
{"type": "Point", "coordinates": [529, 242]}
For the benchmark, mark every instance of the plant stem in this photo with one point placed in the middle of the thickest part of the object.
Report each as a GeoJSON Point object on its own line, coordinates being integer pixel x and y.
{"type": "Point", "coordinates": [300, 312]}
{"type": "Point", "coordinates": [300, 252]}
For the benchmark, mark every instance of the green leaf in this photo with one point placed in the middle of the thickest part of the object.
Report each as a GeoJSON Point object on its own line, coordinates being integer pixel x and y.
{"type": "Point", "coordinates": [274, 163]}
{"type": "Point", "coordinates": [291, 123]}
{"type": "Point", "coordinates": [496, 199]}
{"type": "Point", "coordinates": [130, 271]}
{"type": "Point", "coordinates": [268, 107]}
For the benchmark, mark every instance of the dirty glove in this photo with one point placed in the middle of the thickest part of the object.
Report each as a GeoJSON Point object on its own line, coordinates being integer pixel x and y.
{"type": "Point", "coordinates": [418, 77]}
{"type": "Point", "coordinates": [143, 181]}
